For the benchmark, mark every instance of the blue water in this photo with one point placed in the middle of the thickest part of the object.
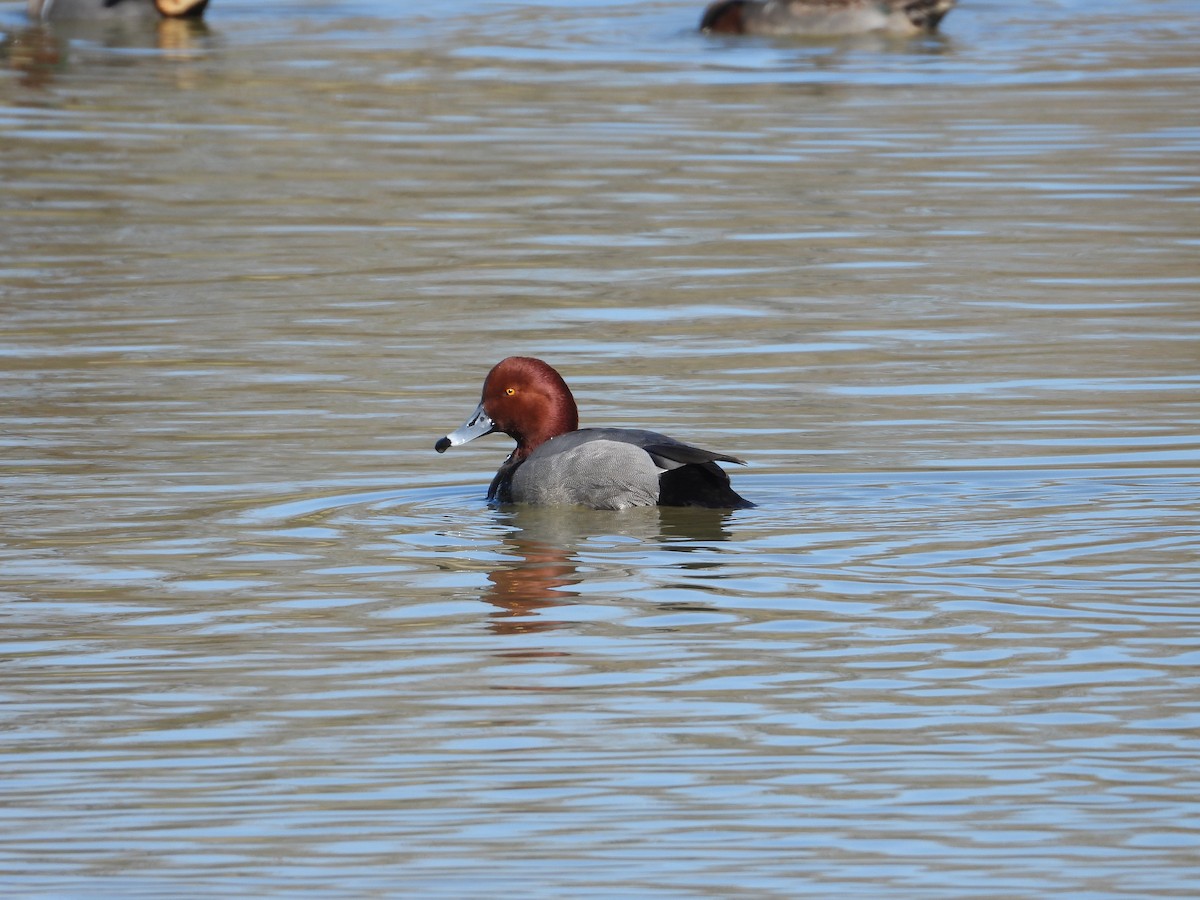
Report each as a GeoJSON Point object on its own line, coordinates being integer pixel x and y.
{"type": "Point", "coordinates": [260, 640]}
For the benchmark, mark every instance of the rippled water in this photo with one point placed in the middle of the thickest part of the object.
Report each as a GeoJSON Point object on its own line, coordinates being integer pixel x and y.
{"type": "Point", "coordinates": [942, 294]}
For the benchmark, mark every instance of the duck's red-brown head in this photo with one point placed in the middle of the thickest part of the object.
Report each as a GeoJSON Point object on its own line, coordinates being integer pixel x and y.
{"type": "Point", "coordinates": [526, 399]}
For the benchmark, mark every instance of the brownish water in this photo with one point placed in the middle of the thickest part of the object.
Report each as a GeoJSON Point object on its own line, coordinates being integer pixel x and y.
{"type": "Point", "coordinates": [259, 640]}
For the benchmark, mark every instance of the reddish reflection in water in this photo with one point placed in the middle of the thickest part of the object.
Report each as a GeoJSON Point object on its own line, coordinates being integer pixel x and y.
{"type": "Point", "coordinates": [547, 545]}
{"type": "Point", "coordinates": [535, 581]}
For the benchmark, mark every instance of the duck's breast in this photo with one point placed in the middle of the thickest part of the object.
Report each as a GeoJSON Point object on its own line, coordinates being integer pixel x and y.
{"type": "Point", "coordinates": [587, 468]}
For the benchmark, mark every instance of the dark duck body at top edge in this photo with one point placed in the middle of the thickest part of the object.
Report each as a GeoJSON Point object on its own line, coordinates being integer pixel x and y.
{"type": "Point", "coordinates": [824, 18]}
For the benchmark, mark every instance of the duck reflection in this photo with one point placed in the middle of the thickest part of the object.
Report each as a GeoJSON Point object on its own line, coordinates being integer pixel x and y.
{"type": "Point", "coordinates": [35, 53]}
{"type": "Point", "coordinates": [546, 545]}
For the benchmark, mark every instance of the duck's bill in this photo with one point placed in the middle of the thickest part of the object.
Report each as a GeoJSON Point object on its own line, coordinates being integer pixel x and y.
{"type": "Point", "coordinates": [478, 425]}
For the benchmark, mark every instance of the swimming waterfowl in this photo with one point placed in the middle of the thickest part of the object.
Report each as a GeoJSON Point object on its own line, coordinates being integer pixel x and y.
{"type": "Point", "coordinates": [558, 463]}
{"type": "Point", "coordinates": [47, 10]}
{"type": "Point", "coordinates": [823, 18]}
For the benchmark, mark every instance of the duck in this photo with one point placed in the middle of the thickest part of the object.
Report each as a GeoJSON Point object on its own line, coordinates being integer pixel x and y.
{"type": "Point", "coordinates": [824, 18]}
{"type": "Point", "coordinates": [59, 10]}
{"type": "Point", "coordinates": [557, 463]}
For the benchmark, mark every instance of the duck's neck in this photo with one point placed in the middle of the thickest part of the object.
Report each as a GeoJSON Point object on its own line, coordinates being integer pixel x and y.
{"type": "Point", "coordinates": [562, 419]}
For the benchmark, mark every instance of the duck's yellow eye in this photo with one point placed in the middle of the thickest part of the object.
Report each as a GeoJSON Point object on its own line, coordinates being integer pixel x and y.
{"type": "Point", "coordinates": [510, 391]}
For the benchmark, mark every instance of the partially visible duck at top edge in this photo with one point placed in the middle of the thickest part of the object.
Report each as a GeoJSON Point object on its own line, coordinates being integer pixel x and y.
{"type": "Point", "coordinates": [824, 18]}
{"type": "Point", "coordinates": [558, 463]}
{"type": "Point", "coordinates": [48, 10]}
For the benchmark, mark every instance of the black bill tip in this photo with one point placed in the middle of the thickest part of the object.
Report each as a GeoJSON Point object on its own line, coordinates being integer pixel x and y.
{"type": "Point", "coordinates": [442, 445]}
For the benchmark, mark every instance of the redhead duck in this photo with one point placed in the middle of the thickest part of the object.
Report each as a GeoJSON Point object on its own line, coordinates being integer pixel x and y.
{"type": "Point", "coordinates": [558, 463]}
{"type": "Point", "coordinates": [95, 9]}
{"type": "Point", "coordinates": [823, 18]}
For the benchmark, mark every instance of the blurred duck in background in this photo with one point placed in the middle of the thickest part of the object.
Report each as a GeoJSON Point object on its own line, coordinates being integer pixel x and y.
{"type": "Point", "coordinates": [65, 10]}
{"type": "Point", "coordinates": [824, 18]}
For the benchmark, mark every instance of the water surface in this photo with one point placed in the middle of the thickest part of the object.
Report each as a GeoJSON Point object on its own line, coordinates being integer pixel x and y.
{"type": "Point", "coordinates": [942, 294]}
